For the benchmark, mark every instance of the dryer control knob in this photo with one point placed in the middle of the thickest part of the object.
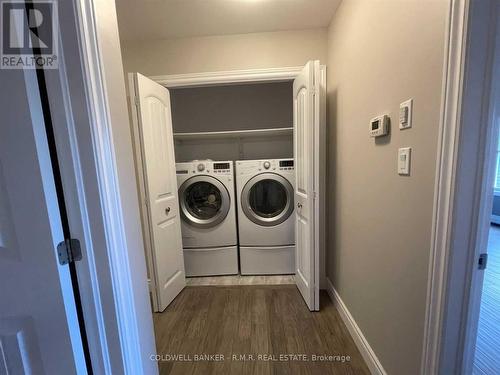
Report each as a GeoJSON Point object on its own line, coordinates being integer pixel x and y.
{"type": "Point", "coordinates": [267, 165]}
{"type": "Point", "coordinates": [201, 167]}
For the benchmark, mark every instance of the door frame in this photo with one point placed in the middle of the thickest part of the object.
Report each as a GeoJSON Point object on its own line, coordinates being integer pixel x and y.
{"type": "Point", "coordinates": [141, 185]}
{"type": "Point", "coordinates": [228, 77]}
{"type": "Point", "coordinates": [102, 212]}
{"type": "Point", "coordinates": [231, 77]}
{"type": "Point", "coordinates": [97, 202]}
{"type": "Point", "coordinates": [268, 75]}
{"type": "Point", "coordinates": [462, 198]}
{"type": "Point", "coordinates": [89, 98]}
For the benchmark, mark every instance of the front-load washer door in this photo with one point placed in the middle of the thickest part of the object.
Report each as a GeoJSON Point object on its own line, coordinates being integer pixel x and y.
{"type": "Point", "coordinates": [204, 201]}
{"type": "Point", "coordinates": [267, 199]}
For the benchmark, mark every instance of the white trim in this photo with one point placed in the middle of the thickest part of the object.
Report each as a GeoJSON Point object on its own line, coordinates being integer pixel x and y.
{"type": "Point", "coordinates": [109, 191]}
{"type": "Point", "coordinates": [48, 191]}
{"type": "Point", "coordinates": [235, 134]}
{"type": "Point", "coordinates": [485, 110]}
{"type": "Point", "coordinates": [78, 213]}
{"type": "Point", "coordinates": [228, 77]}
{"type": "Point", "coordinates": [459, 207]}
{"type": "Point", "coordinates": [444, 185]}
{"type": "Point", "coordinates": [96, 304]}
{"type": "Point", "coordinates": [142, 196]}
{"type": "Point", "coordinates": [360, 340]}
{"type": "Point", "coordinates": [320, 182]}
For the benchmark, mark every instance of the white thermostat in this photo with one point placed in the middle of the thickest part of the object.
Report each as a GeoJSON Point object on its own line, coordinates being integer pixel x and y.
{"type": "Point", "coordinates": [379, 126]}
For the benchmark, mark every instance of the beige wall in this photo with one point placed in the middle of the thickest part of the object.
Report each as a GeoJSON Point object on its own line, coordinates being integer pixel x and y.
{"type": "Point", "coordinates": [381, 53]}
{"type": "Point", "coordinates": [233, 107]}
{"type": "Point", "coordinates": [225, 52]}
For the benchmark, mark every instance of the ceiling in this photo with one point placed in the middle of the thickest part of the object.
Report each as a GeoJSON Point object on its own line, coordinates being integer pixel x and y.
{"type": "Point", "coordinates": [162, 19]}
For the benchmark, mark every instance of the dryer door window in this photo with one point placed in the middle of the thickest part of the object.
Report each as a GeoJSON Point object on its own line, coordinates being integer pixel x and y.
{"type": "Point", "coordinates": [267, 199]}
{"type": "Point", "coordinates": [204, 201]}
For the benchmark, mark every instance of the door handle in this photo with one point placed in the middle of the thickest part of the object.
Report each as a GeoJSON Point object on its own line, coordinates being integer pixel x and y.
{"type": "Point", "coordinates": [167, 210]}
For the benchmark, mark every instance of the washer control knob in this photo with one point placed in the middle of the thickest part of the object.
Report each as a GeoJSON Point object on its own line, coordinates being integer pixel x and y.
{"type": "Point", "coordinates": [267, 165]}
{"type": "Point", "coordinates": [201, 167]}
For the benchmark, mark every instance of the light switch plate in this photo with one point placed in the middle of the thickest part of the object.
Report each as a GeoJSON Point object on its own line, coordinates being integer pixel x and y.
{"type": "Point", "coordinates": [405, 114]}
{"type": "Point", "coordinates": [404, 159]}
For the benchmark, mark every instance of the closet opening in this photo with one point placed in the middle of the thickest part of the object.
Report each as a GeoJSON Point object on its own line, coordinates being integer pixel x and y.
{"type": "Point", "coordinates": [217, 162]}
{"type": "Point", "coordinates": [236, 222]}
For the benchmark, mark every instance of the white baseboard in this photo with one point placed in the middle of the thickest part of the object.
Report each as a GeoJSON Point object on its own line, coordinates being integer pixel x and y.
{"type": "Point", "coordinates": [363, 346]}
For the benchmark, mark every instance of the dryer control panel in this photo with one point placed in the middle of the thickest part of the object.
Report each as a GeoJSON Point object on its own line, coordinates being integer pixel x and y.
{"type": "Point", "coordinates": [271, 165]}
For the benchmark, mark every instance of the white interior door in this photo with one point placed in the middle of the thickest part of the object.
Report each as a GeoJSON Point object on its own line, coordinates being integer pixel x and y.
{"type": "Point", "coordinates": [39, 331]}
{"type": "Point", "coordinates": [163, 229]}
{"type": "Point", "coordinates": [306, 120]}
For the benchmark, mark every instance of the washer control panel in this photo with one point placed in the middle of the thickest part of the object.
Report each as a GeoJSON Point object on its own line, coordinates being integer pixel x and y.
{"type": "Point", "coordinates": [222, 167]}
{"type": "Point", "coordinates": [286, 165]}
{"type": "Point", "coordinates": [205, 167]}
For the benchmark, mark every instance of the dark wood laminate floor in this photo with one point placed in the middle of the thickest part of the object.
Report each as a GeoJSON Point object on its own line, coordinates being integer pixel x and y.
{"type": "Point", "coordinates": [487, 357]}
{"type": "Point", "coordinates": [237, 321]}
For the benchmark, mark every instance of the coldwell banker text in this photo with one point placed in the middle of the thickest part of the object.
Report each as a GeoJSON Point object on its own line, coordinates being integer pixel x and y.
{"type": "Point", "coordinates": [263, 357]}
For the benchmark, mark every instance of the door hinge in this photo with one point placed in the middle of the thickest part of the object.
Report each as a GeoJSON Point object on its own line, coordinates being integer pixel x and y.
{"type": "Point", "coordinates": [136, 101]}
{"type": "Point", "coordinates": [151, 286]}
{"type": "Point", "coordinates": [69, 251]}
{"type": "Point", "coordinates": [482, 263]}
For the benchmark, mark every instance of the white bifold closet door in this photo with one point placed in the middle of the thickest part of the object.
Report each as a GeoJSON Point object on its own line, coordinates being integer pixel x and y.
{"type": "Point", "coordinates": [306, 121]}
{"type": "Point", "coordinates": [162, 227]}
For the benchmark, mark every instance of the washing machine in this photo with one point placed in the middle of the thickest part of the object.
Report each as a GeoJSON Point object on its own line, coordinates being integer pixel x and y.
{"type": "Point", "coordinates": [266, 219]}
{"type": "Point", "coordinates": [208, 217]}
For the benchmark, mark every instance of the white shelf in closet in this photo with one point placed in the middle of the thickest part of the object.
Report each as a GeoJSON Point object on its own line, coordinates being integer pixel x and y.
{"type": "Point", "coordinates": [235, 134]}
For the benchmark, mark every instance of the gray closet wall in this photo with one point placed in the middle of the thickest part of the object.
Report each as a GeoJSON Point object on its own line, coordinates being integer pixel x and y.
{"type": "Point", "coordinates": [233, 107]}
